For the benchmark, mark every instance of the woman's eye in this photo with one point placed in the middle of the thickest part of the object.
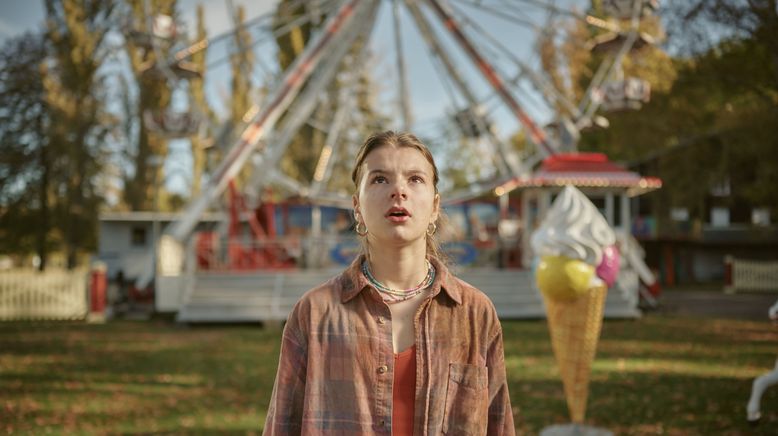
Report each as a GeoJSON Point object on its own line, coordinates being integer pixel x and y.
{"type": "Point", "coordinates": [379, 179]}
{"type": "Point", "coordinates": [417, 179]}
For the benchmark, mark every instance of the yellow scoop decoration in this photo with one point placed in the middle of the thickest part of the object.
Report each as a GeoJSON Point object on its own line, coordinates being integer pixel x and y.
{"type": "Point", "coordinates": [563, 278]}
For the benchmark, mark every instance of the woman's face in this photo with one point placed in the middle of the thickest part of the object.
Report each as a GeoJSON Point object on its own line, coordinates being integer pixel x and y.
{"type": "Point", "coordinates": [396, 198]}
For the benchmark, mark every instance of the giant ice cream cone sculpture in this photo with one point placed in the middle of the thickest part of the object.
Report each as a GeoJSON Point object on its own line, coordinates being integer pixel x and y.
{"type": "Point", "coordinates": [570, 243]}
{"type": "Point", "coordinates": [575, 330]}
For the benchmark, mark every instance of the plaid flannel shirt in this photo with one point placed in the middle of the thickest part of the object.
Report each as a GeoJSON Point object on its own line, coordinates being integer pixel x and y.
{"type": "Point", "coordinates": [335, 369]}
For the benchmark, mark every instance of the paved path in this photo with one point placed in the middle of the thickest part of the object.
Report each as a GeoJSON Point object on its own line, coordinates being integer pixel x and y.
{"type": "Point", "coordinates": [751, 306]}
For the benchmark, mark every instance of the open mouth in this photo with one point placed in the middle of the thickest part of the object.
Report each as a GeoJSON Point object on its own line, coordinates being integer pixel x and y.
{"type": "Point", "coordinates": [397, 214]}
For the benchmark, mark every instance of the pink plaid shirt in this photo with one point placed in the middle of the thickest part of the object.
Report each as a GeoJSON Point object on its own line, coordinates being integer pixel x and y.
{"type": "Point", "coordinates": [335, 370]}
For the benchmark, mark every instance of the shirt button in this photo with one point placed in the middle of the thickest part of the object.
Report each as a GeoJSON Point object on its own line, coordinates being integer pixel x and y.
{"type": "Point", "coordinates": [382, 369]}
{"type": "Point", "coordinates": [381, 320]}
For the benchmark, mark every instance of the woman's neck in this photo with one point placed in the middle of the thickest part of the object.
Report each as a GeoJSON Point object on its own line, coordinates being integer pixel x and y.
{"type": "Point", "coordinates": [399, 267]}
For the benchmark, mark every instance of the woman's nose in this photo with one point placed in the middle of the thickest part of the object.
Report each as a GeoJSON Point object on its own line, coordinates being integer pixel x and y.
{"type": "Point", "coordinates": [398, 191]}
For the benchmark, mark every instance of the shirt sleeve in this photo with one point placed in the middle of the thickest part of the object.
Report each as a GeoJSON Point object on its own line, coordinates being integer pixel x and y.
{"type": "Point", "coordinates": [500, 412]}
{"type": "Point", "coordinates": [285, 413]}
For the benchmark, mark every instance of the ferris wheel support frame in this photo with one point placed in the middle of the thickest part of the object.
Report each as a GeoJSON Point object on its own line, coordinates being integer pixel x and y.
{"type": "Point", "coordinates": [264, 121]}
{"type": "Point", "coordinates": [351, 13]}
{"type": "Point", "coordinates": [301, 109]}
{"type": "Point", "coordinates": [405, 105]}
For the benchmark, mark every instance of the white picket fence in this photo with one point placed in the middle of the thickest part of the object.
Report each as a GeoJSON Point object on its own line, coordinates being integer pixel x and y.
{"type": "Point", "coordinates": [50, 295]}
{"type": "Point", "coordinates": [752, 275]}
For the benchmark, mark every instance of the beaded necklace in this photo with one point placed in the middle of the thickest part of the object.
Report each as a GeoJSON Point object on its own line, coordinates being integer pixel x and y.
{"type": "Point", "coordinates": [393, 295]}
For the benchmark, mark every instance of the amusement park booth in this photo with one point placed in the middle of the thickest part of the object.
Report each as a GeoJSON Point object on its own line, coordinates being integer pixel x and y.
{"type": "Point", "coordinates": [609, 186]}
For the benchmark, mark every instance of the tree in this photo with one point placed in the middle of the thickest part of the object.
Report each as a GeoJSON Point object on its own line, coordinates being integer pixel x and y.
{"type": "Point", "coordinates": [78, 122]}
{"type": "Point", "coordinates": [242, 69]}
{"type": "Point", "coordinates": [25, 163]}
{"type": "Point", "coordinates": [154, 95]}
{"type": "Point", "coordinates": [713, 126]}
{"type": "Point", "coordinates": [569, 63]}
{"type": "Point", "coordinates": [199, 103]}
{"type": "Point", "coordinates": [200, 142]}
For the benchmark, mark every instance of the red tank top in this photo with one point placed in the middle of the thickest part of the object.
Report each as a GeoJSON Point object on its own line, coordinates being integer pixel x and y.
{"type": "Point", "coordinates": [404, 392]}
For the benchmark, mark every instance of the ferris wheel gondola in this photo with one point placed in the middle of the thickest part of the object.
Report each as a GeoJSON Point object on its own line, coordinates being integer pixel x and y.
{"type": "Point", "coordinates": [630, 93]}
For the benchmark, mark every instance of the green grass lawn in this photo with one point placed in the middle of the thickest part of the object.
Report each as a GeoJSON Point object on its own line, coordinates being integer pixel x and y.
{"type": "Point", "coordinates": [658, 375]}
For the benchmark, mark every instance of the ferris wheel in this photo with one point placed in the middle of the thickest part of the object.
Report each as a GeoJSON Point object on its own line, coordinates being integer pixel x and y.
{"type": "Point", "coordinates": [362, 65]}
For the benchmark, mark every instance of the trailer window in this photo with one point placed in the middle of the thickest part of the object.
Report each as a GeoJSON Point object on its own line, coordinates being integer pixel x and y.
{"type": "Point", "coordinates": [138, 238]}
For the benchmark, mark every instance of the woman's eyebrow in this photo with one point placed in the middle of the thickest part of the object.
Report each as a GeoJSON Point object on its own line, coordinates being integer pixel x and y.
{"type": "Point", "coordinates": [409, 172]}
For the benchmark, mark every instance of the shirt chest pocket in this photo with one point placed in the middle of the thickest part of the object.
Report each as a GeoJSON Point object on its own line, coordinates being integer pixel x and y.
{"type": "Point", "coordinates": [467, 400]}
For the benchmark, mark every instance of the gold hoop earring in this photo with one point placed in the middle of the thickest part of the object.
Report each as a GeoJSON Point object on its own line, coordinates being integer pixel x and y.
{"type": "Point", "coordinates": [431, 229]}
{"type": "Point", "coordinates": [362, 232]}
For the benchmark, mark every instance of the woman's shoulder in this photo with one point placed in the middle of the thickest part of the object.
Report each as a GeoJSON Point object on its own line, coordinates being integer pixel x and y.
{"type": "Point", "coordinates": [329, 290]}
{"type": "Point", "coordinates": [313, 303]}
{"type": "Point", "coordinates": [473, 299]}
{"type": "Point", "coordinates": [470, 293]}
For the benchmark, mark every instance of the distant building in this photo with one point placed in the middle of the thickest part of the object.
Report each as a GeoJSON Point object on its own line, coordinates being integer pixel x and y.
{"type": "Point", "coordinates": [126, 239]}
{"type": "Point", "coordinates": [688, 243]}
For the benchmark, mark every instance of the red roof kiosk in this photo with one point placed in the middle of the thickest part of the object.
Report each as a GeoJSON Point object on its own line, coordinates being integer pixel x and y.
{"type": "Point", "coordinates": [608, 184]}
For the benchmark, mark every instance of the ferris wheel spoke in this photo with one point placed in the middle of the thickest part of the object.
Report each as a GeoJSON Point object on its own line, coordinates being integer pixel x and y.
{"type": "Point", "coordinates": [404, 99]}
{"type": "Point", "coordinates": [524, 73]}
{"type": "Point", "coordinates": [500, 14]}
{"type": "Point", "coordinates": [550, 6]}
{"type": "Point", "coordinates": [471, 120]}
{"type": "Point", "coordinates": [441, 62]}
{"type": "Point", "coordinates": [540, 83]}
{"type": "Point", "coordinates": [536, 134]}
{"type": "Point", "coordinates": [475, 121]}
{"type": "Point", "coordinates": [268, 33]}
{"type": "Point", "coordinates": [258, 21]}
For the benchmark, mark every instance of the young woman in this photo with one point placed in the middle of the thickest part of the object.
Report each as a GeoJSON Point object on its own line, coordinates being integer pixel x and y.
{"type": "Point", "coordinates": [395, 344]}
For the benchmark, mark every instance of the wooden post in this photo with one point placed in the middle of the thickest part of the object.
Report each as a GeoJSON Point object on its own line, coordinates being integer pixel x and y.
{"type": "Point", "coordinates": [729, 285]}
{"type": "Point", "coordinates": [97, 287]}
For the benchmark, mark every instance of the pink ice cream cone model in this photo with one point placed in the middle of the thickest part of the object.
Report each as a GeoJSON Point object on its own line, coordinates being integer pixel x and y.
{"type": "Point", "coordinates": [578, 261]}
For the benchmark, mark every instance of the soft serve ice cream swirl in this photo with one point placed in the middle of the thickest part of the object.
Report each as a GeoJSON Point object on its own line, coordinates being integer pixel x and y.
{"type": "Point", "coordinates": [573, 228]}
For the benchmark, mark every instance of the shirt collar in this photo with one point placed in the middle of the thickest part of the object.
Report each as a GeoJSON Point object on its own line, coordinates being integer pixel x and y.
{"type": "Point", "coordinates": [352, 281]}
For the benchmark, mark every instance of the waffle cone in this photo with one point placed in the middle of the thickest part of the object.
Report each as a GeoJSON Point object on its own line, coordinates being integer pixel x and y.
{"type": "Point", "coordinates": [575, 329]}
